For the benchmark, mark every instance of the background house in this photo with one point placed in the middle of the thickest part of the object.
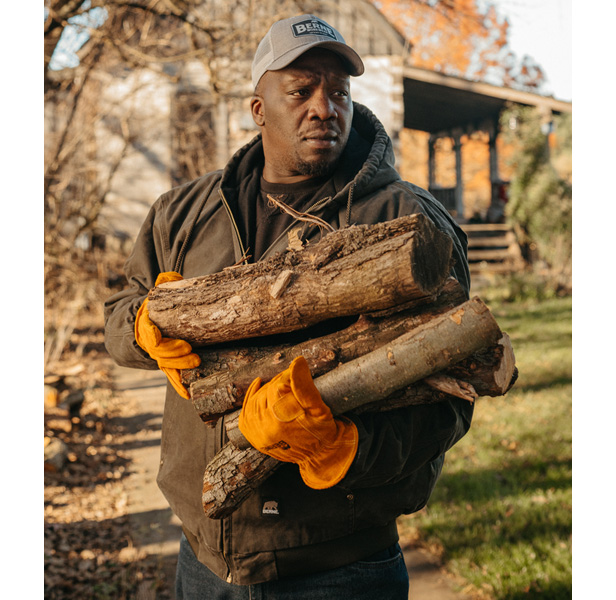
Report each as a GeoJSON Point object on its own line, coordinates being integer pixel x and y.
{"type": "Point", "coordinates": [162, 124]}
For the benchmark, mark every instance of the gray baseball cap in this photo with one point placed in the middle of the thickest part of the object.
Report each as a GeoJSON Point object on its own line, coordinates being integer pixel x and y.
{"type": "Point", "coordinates": [288, 39]}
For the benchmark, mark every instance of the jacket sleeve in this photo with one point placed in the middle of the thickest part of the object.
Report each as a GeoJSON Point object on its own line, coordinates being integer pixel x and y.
{"type": "Point", "coordinates": [145, 262]}
{"type": "Point", "coordinates": [394, 444]}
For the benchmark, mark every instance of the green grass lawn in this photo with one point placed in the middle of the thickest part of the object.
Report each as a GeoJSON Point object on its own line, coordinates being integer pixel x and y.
{"type": "Point", "coordinates": [501, 513]}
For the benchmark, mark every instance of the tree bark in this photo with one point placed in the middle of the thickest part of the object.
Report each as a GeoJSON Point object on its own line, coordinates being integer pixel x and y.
{"type": "Point", "coordinates": [407, 259]}
{"type": "Point", "coordinates": [232, 476]}
{"type": "Point", "coordinates": [222, 389]}
{"type": "Point", "coordinates": [427, 349]}
{"type": "Point", "coordinates": [492, 370]}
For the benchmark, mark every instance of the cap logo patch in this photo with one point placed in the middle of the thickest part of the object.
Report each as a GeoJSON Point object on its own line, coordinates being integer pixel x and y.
{"type": "Point", "coordinates": [313, 27]}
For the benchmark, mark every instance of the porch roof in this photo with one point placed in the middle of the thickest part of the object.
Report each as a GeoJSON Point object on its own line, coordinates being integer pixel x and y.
{"type": "Point", "coordinates": [438, 103]}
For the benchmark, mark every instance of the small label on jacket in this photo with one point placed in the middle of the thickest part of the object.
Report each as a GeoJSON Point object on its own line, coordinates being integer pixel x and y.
{"type": "Point", "coordinates": [270, 508]}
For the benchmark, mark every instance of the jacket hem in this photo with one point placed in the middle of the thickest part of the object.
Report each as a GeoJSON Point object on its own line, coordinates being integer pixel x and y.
{"type": "Point", "coordinates": [298, 561]}
{"type": "Point", "coordinates": [335, 553]}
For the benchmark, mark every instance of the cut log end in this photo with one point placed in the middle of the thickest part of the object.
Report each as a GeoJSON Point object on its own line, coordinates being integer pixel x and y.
{"type": "Point", "coordinates": [506, 374]}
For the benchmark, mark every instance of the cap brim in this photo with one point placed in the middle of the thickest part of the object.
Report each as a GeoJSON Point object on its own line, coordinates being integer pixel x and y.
{"type": "Point", "coordinates": [352, 61]}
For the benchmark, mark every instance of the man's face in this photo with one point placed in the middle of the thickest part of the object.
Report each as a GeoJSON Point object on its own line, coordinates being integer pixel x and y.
{"type": "Point", "coordinates": [305, 113]}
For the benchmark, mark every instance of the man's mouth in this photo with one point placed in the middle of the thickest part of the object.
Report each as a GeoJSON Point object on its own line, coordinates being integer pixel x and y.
{"type": "Point", "coordinates": [321, 139]}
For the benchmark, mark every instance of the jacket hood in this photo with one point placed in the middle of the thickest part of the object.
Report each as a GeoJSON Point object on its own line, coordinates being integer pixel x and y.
{"type": "Point", "coordinates": [366, 164]}
{"type": "Point", "coordinates": [378, 165]}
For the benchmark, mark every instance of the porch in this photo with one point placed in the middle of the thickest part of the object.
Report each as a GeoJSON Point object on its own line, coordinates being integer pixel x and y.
{"type": "Point", "coordinates": [446, 106]}
{"type": "Point", "coordinates": [451, 107]}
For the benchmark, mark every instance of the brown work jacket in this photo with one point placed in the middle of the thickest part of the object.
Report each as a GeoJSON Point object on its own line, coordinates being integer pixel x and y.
{"type": "Point", "coordinates": [286, 528]}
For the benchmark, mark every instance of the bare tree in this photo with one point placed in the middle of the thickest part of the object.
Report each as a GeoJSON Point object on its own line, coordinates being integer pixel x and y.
{"type": "Point", "coordinates": [157, 35]}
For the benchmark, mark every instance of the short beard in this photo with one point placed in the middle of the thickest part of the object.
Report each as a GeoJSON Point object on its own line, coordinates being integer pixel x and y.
{"type": "Point", "coordinates": [317, 168]}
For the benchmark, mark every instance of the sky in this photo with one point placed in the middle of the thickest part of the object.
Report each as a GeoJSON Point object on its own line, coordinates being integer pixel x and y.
{"type": "Point", "coordinates": [542, 29]}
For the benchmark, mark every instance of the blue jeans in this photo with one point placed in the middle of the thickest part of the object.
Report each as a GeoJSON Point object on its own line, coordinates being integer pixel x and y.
{"type": "Point", "coordinates": [376, 578]}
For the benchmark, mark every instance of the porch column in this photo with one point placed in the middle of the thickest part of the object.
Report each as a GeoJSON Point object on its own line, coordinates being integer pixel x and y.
{"type": "Point", "coordinates": [457, 144]}
{"type": "Point", "coordinates": [431, 162]}
{"type": "Point", "coordinates": [493, 134]}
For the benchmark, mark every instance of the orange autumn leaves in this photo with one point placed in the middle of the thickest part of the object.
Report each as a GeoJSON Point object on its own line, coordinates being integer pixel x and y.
{"type": "Point", "coordinates": [454, 37]}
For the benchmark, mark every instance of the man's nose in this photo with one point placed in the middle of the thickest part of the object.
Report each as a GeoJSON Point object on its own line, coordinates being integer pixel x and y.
{"type": "Point", "coordinates": [322, 106]}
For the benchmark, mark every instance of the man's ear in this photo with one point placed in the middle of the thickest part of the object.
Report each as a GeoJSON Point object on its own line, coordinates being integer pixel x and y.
{"type": "Point", "coordinates": [256, 109]}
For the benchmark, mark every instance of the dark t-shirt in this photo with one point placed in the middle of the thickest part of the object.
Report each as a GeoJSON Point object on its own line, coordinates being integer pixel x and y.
{"type": "Point", "coordinates": [271, 222]}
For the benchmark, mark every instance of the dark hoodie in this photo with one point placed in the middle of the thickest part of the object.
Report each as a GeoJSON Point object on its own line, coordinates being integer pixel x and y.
{"type": "Point", "coordinates": [203, 227]}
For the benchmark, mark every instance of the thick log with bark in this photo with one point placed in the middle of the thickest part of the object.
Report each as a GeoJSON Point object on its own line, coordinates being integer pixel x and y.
{"type": "Point", "coordinates": [407, 259]}
{"type": "Point", "coordinates": [421, 353]}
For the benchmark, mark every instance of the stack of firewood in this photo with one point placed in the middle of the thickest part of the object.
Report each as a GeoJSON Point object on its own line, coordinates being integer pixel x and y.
{"type": "Point", "coordinates": [413, 336]}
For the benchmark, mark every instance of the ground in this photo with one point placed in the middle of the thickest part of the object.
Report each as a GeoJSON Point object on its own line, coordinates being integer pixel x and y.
{"type": "Point", "coordinates": [109, 533]}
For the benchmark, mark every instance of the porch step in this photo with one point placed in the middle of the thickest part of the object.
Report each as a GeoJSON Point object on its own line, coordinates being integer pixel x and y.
{"type": "Point", "coordinates": [492, 248]}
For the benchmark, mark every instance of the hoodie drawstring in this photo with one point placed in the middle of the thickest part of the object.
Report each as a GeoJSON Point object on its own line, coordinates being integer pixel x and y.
{"type": "Point", "coordinates": [349, 202]}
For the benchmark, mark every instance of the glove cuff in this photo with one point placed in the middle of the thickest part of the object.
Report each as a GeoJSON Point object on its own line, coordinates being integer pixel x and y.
{"type": "Point", "coordinates": [147, 335]}
{"type": "Point", "coordinates": [331, 463]}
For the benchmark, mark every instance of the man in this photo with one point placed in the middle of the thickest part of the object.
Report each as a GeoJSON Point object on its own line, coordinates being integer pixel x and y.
{"type": "Point", "coordinates": [324, 525]}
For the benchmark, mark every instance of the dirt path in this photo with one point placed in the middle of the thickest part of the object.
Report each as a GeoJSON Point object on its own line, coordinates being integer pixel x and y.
{"type": "Point", "coordinates": [157, 531]}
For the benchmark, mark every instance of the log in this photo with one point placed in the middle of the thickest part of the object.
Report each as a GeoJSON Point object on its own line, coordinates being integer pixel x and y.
{"type": "Point", "coordinates": [406, 259]}
{"type": "Point", "coordinates": [492, 370]}
{"type": "Point", "coordinates": [487, 372]}
{"type": "Point", "coordinates": [223, 391]}
{"type": "Point", "coordinates": [233, 475]}
{"type": "Point", "coordinates": [428, 349]}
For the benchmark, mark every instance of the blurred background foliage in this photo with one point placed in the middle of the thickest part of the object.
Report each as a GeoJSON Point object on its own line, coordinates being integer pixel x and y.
{"type": "Point", "coordinates": [540, 205]}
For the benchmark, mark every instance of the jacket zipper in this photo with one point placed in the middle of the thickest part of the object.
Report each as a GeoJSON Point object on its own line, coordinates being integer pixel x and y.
{"type": "Point", "coordinates": [234, 224]}
{"type": "Point", "coordinates": [224, 522]}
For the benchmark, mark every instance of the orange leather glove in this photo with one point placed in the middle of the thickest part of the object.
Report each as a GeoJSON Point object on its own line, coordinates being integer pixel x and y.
{"type": "Point", "coordinates": [170, 354]}
{"type": "Point", "coordinates": [287, 419]}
